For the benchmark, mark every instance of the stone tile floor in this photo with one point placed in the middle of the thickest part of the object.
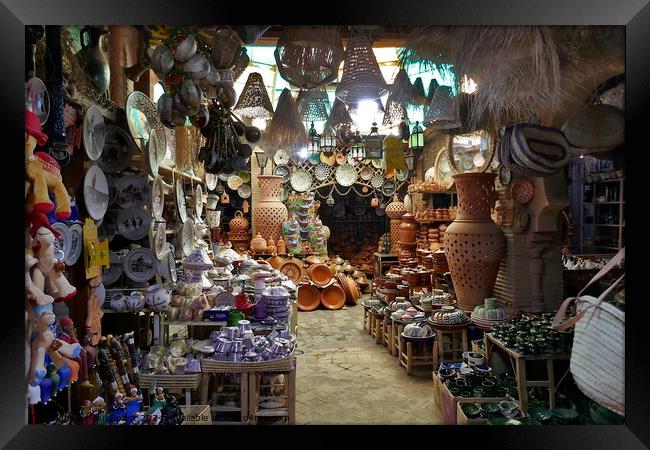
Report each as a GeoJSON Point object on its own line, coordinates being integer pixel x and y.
{"type": "Point", "coordinates": [343, 377]}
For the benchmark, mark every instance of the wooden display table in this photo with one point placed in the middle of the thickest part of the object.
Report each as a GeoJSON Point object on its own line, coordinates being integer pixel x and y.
{"type": "Point", "coordinates": [381, 260]}
{"type": "Point", "coordinates": [367, 319]}
{"type": "Point", "coordinates": [419, 352]}
{"type": "Point", "coordinates": [220, 379]}
{"type": "Point", "coordinates": [387, 332]}
{"type": "Point", "coordinates": [458, 341]}
{"type": "Point", "coordinates": [377, 326]}
{"type": "Point", "coordinates": [288, 411]}
{"type": "Point", "coordinates": [518, 362]}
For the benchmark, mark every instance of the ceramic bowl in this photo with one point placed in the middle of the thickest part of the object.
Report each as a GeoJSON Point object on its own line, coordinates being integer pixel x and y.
{"type": "Point", "coordinates": [503, 421]}
{"type": "Point", "coordinates": [509, 408]}
{"type": "Point", "coordinates": [471, 410]}
{"type": "Point", "coordinates": [490, 409]}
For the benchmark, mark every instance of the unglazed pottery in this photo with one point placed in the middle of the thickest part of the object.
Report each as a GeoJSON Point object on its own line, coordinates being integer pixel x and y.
{"type": "Point", "coordinates": [474, 244]}
{"type": "Point", "coordinates": [269, 213]}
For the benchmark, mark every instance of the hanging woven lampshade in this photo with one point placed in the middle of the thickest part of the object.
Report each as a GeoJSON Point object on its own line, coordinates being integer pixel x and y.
{"type": "Point", "coordinates": [401, 90]}
{"type": "Point", "coordinates": [395, 111]}
{"type": "Point", "coordinates": [433, 85]}
{"type": "Point", "coordinates": [362, 79]}
{"type": "Point", "coordinates": [254, 101]}
{"type": "Point", "coordinates": [419, 97]}
{"type": "Point", "coordinates": [313, 105]}
{"type": "Point", "coordinates": [338, 116]}
{"type": "Point", "coordinates": [285, 131]}
{"type": "Point", "coordinates": [309, 56]}
{"type": "Point", "coordinates": [443, 110]}
{"type": "Point", "coordinates": [241, 63]}
{"type": "Point", "coordinates": [226, 47]}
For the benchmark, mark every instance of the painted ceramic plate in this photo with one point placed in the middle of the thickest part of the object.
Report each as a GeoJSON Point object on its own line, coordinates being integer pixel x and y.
{"type": "Point", "coordinates": [153, 147]}
{"type": "Point", "coordinates": [114, 272]}
{"type": "Point", "coordinates": [139, 265]}
{"type": "Point", "coordinates": [378, 163]}
{"type": "Point", "coordinates": [376, 181]}
{"type": "Point", "coordinates": [118, 149]}
{"type": "Point", "coordinates": [402, 175]}
{"type": "Point", "coordinates": [322, 172]}
{"type": "Point", "coordinates": [158, 198]}
{"type": "Point", "coordinates": [107, 229]}
{"type": "Point", "coordinates": [234, 182]}
{"type": "Point", "coordinates": [283, 171]}
{"type": "Point", "coordinates": [245, 176]}
{"type": "Point", "coordinates": [366, 173]}
{"type": "Point", "coordinates": [198, 200]}
{"type": "Point", "coordinates": [181, 204]}
{"type": "Point", "coordinates": [142, 116]}
{"type": "Point", "coordinates": [429, 174]}
{"type": "Point", "coordinates": [37, 97]}
{"type": "Point", "coordinates": [160, 241]}
{"type": "Point", "coordinates": [95, 192]}
{"type": "Point", "coordinates": [167, 266]}
{"type": "Point", "coordinates": [281, 158]}
{"type": "Point", "coordinates": [133, 191]}
{"type": "Point", "coordinates": [112, 188]}
{"type": "Point", "coordinates": [244, 191]}
{"type": "Point", "coordinates": [389, 188]}
{"type": "Point", "coordinates": [186, 236]}
{"type": "Point", "coordinates": [314, 159]}
{"type": "Point", "coordinates": [65, 244]}
{"type": "Point", "coordinates": [133, 223]}
{"type": "Point", "coordinates": [94, 133]}
{"type": "Point", "coordinates": [225, 176]}
{"type": "Point", "coordinates": [76, 244]}
{"type": "Point", "coordinates": [345, 175]}
{"type": "Point", "coordinates": [301, 180]}
{"type": "Point", "coordinates": [340, 158]}
{"type": "Point", "coordinates": [329, 160]}
{"type": "Point", "coordinates": [211, 181]}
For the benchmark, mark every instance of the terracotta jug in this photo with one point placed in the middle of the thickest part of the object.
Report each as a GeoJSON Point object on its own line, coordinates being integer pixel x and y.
{"type": "Point", "coordinates": [408, 228]}
{"type": "Point", "coordinates": [258, 244]}
{"type": "Point", "coordinates": [269, 213]}
{"type": "Point", "coordinates": [281, 246]}
{"type": "Point", "coordinates": [239, 224]}
{"type": "Point", "coordinates": [474, 244]}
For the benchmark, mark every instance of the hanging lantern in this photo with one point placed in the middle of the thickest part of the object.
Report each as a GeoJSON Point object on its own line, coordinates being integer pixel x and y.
{"type": "Point", "coordinates": [254, 101]}
{"type": "Point", "coordinates": [395, 111]}
{"type": "Point", "coordinates": [340, 121]}
{"type": "Point", "coordinates": [327, 143]}
{"type": "Point", "coordinates": [374, 144]}
{"type": "Point", "coordinates": [404, 130]}
{"type": "Point", "coordinates": [314, 140]}
{"type": "Point", "coordinates": [409, 160]}
{"type": "Point", "coordinates": [313, 105]}
{"type": "Point", "coordinates": [358, 148]}
{"type": "Point", "coordinates": [362, 79]}
{"type": "Point", "coordinates": [416, 141]}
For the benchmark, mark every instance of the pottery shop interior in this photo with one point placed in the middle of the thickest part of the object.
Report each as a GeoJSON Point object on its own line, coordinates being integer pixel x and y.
{"type": "Point", "coordinates": [226, 224]}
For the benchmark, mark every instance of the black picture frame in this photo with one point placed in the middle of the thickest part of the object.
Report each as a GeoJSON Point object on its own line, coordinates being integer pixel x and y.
{"type": "Point", "coordinates": [633, 14]}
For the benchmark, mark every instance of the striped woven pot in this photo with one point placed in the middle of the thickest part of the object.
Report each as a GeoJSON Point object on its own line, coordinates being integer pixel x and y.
{"type": "Point", "coordinates": [540, 149]}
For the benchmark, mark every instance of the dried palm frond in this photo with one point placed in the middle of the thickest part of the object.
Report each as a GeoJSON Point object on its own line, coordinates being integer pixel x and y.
{"type": "Point", "coordinates": [286, 130]}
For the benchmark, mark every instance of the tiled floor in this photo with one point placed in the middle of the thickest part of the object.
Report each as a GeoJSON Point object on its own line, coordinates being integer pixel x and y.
{"type": "Point", "coordinates": [345, 378]}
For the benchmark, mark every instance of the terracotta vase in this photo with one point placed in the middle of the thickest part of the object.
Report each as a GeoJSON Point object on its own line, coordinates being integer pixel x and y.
{"type": "Point", "coordinates": [269, 213]}
{"type": "Point", "coordinates": [270, 246]}
{"type": "Point", "coordinates": [258, 244]}
{"type": "Point", "coordinates": [408, 228]}
{"type": "Point", "coordinates": [281, 246]}
{"type": "Point", "coordinates": [395, 210]}
{"type": "Point", "coordinates": [239, 224]}
{"type": "Point", "coordinates": [474, 244]}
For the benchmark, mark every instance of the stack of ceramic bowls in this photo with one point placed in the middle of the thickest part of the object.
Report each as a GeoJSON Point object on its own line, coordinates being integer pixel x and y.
{"type": "Point", "coordinates": [449, 316]}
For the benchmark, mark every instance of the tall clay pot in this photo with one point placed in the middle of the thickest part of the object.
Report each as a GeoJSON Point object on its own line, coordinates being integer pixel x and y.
{"type": "Point", "coordinates": [474, 244]}
{"type": "Point", "coordinates": [395, 210]}
{"type": "Point", "coordinates": [407, 232]}
{"type": "Point", "coordinates": [270, 212]}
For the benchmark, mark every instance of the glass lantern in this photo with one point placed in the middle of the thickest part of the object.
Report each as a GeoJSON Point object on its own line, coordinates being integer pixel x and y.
{"type": "Point", "coordinates": [374, 144]}
{"type": "Point", "coordinates": [327, 143]}
{"type": "Point", "coordinates": [314, 141]}
{"type": "Point", "coordinates": [358, 148]}
{"type": "Point", "coordinates": [404, 131]}
{"type": "Point", "coordinates": [416, 140]}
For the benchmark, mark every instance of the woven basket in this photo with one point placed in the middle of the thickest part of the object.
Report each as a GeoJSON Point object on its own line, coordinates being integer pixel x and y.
{"type": "Point", "coordinates": [362, 79]}
{"type": "Point", "coordinates": [395, 111]}
{"type": "Point", "coordinates": [443, 110]}
{"type": "Point", "coordinates": [313, 105]}
{"type": "Point", "coordinates": [187, 381]}
{"type": "Point", "coordinates": [309, 56]}
{"type": "Point", "coordinates": [338, 116]}
{"type": "Point", "coordinates": [598, 353]}
{"type": "Point", "coordinates": [541, 149]}
{"type": "Point", "coordinates": [276, 365]}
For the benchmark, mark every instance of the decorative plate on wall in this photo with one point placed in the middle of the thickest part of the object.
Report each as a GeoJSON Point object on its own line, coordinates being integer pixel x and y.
{"type": "Point", "coordinates": [113, 273]}
{"type": "Point", "coordinates": [142, 116]}
{"type": "Point", "coordinates": [234, 182]}
{"type": "Point", "coordinates": [118, 149]}
{"type": "Point", "coordinates": [389, 188]}
{"type": "Point", "coordinates": [402, 175]}
{"type": "Point", "coordinates": [181, 204]}
{"type": "Point", "coordinates": [133, 223]}
{"type": "Point", "coordinates": [140, 265]}
{"type": "Point", "coordinates": [376, 181]}
{"type": "Point", "coordinates": [198, 200]}
{"type": "Point", "coordinates": [281, 158]}
{"type": "Point", "coordinates": [366, 173]}
{"type": "Point", "coordinates": [244, 191]}
{"type": "Point", "coordinates": [112, 188]}
{"type": "Point", "coordinates": [322, 171]}
{"type": "Point", "coordinates": [133, 191]}
{"type": "Point", "coordinates": [38, 98]}
{"type": "Point", "coordinates": [154, 148]}
{"type": "Point", "coordinates": [345, 175]}
{"type": "Point", "coordinates": [65, 244]}
{"type": "Point", "coordinates": [158, 198]}
{"type": "Point", "coordinates": [300, 180]}
{"type": "Point", "coordinates": [522, 191]}
{"type": "Point", "coordinates": [211, 181]}
{"type": "Point", "coordinates": [187, 236]}
{"type": "Point", "coordinates": [160, 241]}
{"type": "Point", "coordinates": [95, 193]}
{"type": "Point", "coordinates": [107, 229]}
{"type": "Point", "coordinates": [76, 244]}
{"type": "Point", "coordinates": [430, 174]}
{"type": "Point", "coordinates": [283, 171]}
{"type": "Point", "coordinates": [94, 133]}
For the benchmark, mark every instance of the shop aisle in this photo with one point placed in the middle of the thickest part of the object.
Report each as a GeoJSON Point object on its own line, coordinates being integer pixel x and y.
{"type": "Point", "coordinates": [345, 378]}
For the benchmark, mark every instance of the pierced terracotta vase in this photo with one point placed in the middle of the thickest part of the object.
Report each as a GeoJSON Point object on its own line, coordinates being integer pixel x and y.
{"type": "Point", "coordinates": [238, 224]}
{"type": "Point", "coordinates": [395, 210]}
{"type": "Point", "coordinates": [270, 212]}
{"type": "Point", "coordinates": [474, 244]}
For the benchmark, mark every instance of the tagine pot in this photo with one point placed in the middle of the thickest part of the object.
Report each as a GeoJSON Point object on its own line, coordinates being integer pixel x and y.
{"type": "Point", "coordinates": [269, 213]}
{"type": "Point", "coordinates": [474, 244]}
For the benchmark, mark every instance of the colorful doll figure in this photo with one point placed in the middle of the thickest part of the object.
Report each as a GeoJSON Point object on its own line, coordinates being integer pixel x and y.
{"type": "Point", "coordinates": [86, 416]}
{"type": "Point", "coordinates": [118, 410]}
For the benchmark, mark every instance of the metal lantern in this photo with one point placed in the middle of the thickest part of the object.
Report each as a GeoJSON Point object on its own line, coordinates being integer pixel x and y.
{"type": "Point", "coordinates": [416, 141]}
{"type": "Point", "coordinates": [312, 146]}
{"type": "Point", "coordinates": [327, 143]}
{"type": "Point", "coordinates": [374, 144]}
{"type": "Point", "coordinates": [409, 160]}
{"type": "Point", "coordinates": [262, 158]}
{"type": "Point", "coordinates": [358, 148]}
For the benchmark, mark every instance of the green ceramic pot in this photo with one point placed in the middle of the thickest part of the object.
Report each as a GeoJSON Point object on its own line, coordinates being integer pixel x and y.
{"type": "Point", "coordinates": [543, 415]}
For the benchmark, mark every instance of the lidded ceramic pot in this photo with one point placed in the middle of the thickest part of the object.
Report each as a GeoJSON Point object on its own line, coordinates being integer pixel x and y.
{"type": "Point", "coordinates": [258, 244]}
{"type": "Point", "coordinates": [239, 224]}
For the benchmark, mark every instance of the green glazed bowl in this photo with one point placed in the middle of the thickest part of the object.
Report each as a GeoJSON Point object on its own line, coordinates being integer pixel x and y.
{"type": "Point", "coordinates": [529, 421]}
{"type": "Point", "coordinates": [503, 421]}
{"type": "Point", "coordinates": [490, 409]}
{"type": "Point", "coordinates": [471, 410]}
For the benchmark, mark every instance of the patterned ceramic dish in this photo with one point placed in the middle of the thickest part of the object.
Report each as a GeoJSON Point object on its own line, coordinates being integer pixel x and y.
{"type": "Point", "coordinates": [211, 181]}
{"type": "Point", "coordinates": [140, 265]}
{"type": "Point", "coordinates": [322, 172]}
{"type": "Point", "coordinates": [181, 204]}
{"type": "Point", "coordinates": [281, 158]}
{"type": "Point", "coordinates": [346, 175]}
{"type": "Point", "coordinates": [132, 192]}
{"type": "Point", "coordinates": [402, 175]}
{"type": "Point", "coordinates": [142, 116]}
{"type": "Point", "coordinates": [95, 192]}
{"type": "Point", "coordinates": [234, 182]}
{"type": "Point", "coordinates": [244, 191]}
{"type": "Point", "coordinates": [113, 273]}
{"type": "Point", "coordinates": [283, 171]}
{"type": "Point", "coordinates": [389, 188]}
{"type": "Point", "coordinates": [133, 223]}
{"type": "Point", "coordinates": [158, 198]}
{"type": "Point", "coordinates": [300, 180]}
{"type": "Point", "coordinates": [366, 173]}
{"type": "Point", "coordinates": [377, 181]}
{"type": "Point", "coordinates": [160, 241]}
{"type": "Point", "coordinates": [118, 149]}
{"type": "Point", "coordinates": [65, 244]}
{"type": "Point", "coordinates": [76, 244]}
{"type": "Point", "coordinates": [94, 133]}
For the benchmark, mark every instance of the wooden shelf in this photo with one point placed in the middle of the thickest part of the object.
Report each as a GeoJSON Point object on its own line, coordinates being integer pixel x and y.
{"type": "Point", "coordinates": [224, 408]}
{"type": "Point", "coordinates": [177, 173]}
{"type": "Point", "coordinates": [603, 203]}
{"type": "Point", "coordinates": [196, 324]}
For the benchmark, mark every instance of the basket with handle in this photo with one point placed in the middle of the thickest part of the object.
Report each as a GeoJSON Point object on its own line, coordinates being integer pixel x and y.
{"type": "Point", "coordinates": [598, 355]}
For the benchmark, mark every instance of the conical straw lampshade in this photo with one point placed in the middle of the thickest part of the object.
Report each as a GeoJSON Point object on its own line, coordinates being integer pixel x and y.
{"type": "Point", "coordinates": [313, 105]}
{"type": "Point", "coordinates": [309, 56]}
{"type": "Point", "coordinates": [254, 101]}
{"type": "Point", "coordinates": [362, 79]}
{"type": "Point", "coordinates": [286, 130]}
{"type": "Point", "coordinates": [338, 116]}
{"type": "Point", "coordinates": [395, 111]}
{"type": "Point", "coordinates": [241, 64]}
{"type": "Point", "coordinates": [401, 89]}
{"type": "Point", "coordinates": [226, 48]}
{"type": "Point", "coordinates": [443, 110]}
{"type": "Point", "coordinates": [419, 97]}
{"type": "Point", "coordinates": [433, 85]}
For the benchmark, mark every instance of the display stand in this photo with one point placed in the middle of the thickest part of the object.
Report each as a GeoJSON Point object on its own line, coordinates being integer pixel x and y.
{"type": "Point", "coordinates": [387, 332]}
{"type": "Point", "coordinates": [518, 362]}
{"type": "Point", "coordinates": [419, 352]}
{"type": "Point", "coordinates": [457, 339]}
{"type": "Point", "coordinates": [377, 323]}
{"type": "Point", "coordinates": [185, 382]}
{"type": "Point", "coordinates": [380, 260]}
{"type": "Point", "coordinates": [243, 394]}
{"type": "Point", "coordinates": [289, 387]}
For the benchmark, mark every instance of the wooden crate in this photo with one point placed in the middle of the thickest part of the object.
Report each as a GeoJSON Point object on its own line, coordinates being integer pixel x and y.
{"type": "Point", "coordinates": [287, 412]}
{"type": "Point", "coordinates": [447, 403]}
{"type": "Point", "coordinates": [461, 418]}
{"type": "Point", "coordinates": [220, 379]}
